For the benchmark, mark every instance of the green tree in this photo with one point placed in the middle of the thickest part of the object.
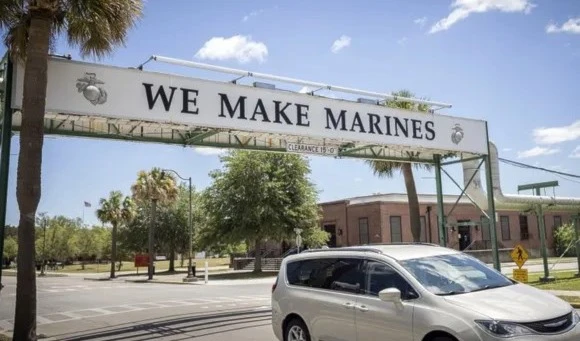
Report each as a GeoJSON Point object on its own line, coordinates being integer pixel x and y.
{"type": "Point", "coordinates": [115, 210]}
{"type": "Point", "coordinates": [387, 169]}
{"type": "Point", "coordinates": [61, 238]}
{"type": "Point", "coordinates": [259, 196]}
{"type": "Point", "coordinates": [154, 188]}
{"type": "Point", "coordinates": [10, 249]}
{"type": "Point", "coordinates": [103, 240]}
{"type": "Point", "coordinates": [87, 245]}
{"type": "Point", "coordinates": [564, 238]}
{"type": "Point", "coordinates": [29, 28]}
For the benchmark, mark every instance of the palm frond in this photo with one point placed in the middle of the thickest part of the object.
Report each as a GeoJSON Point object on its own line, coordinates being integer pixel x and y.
{"type": "Point", "coordinates": [10, 12]}
{"type": "Point", "coordinates": [98, 26]}
{"type": "Point", "coordinates": [16, 36]}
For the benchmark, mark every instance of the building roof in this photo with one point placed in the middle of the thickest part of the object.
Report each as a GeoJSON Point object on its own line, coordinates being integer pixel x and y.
{"type": "Point", "coordinates": [398, 198]}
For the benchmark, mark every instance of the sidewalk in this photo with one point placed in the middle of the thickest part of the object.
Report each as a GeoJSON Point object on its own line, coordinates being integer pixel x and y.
{"type": "Point", "coordinates": [265, 278]}
{"type": "Point", "coordinates": [105, 274]}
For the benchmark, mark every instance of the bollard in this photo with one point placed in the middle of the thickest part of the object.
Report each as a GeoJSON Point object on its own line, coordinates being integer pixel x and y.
{"type": "Point", "coordinates": [206, 271]}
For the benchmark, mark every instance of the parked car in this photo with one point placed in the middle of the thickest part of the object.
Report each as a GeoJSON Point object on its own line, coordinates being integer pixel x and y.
{"type": "Point", "coordinates": [413, 291]}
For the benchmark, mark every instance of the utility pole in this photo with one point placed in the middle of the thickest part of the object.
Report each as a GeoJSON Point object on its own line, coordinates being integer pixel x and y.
{"type": "Point", "coordinates": [539, 209]}
{"type": "Point", "coordinates": [190, 275]}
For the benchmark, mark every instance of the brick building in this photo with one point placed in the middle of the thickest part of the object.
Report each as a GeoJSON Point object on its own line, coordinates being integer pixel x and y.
{"type": "Point", "coordinates": [384, 218]}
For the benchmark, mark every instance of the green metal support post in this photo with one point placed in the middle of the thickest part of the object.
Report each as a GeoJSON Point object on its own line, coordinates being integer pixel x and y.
{"type": "Point", "coordinates": [577, 236]}
{"type": "Point", "coordinates": [542, 228]}
{"type": "Point", "coordinates": [5, 157]}
{"type": "Point", "coordinates": [491, 206]}
{"type": "Point", "coordinates": [440, 211]}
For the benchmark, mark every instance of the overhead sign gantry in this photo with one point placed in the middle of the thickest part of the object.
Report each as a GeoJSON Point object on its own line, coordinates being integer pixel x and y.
{"type": "Point", "coordinates": [102, 101]}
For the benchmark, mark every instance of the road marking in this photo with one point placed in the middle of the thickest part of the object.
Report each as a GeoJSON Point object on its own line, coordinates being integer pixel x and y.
{"type": "Point", "coordinates": [203, 304]}
{"type": "Point", "coordinates": [42, 320]}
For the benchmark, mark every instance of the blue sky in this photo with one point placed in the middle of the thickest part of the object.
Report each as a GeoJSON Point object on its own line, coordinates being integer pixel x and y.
{"type": "Point", "coordinates": [514, 63]}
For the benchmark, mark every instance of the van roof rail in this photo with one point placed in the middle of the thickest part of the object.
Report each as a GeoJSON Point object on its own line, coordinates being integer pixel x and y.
{"type": "Point", "coordinates": [346, 248]}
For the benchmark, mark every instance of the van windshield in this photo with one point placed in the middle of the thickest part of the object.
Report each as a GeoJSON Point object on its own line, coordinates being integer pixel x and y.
{"type": "Point", "coordinates": [454, 274]}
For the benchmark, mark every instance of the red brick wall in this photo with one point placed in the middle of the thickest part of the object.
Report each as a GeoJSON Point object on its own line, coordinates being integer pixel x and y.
{"type": "Point", "coordinates": [380, 231]}
{"type": "Point", "coordinates": [336, 214]}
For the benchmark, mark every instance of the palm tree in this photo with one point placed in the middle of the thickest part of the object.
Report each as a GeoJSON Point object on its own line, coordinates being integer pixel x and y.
{"type": "Point", "coordinates": [155, 188]}
{"type": "Point", "coordinates": [29, 28]}
{"type": "Point", "coordinates": [387, 168]}
{"type": "Point", "coordinates": [116, 210]}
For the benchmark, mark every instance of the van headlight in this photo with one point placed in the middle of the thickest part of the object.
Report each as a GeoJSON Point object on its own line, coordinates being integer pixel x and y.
{"type": "Point", "coordinates": [575, 317]}
{"type": "Point", "coordinates": [503, 329]}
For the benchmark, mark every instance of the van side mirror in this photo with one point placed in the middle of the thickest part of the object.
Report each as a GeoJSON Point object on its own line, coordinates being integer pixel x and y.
{"type": "Point", "coordinates": [390, 295]}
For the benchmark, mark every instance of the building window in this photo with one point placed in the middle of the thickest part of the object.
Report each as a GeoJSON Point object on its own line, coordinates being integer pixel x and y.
{"type": "Point", "coordinates": [396, 236]}
{"type": "Point", "coordinates": [557, 221]}
{"type": "Point", "coordinates": [485, 229]}
{"type": "Point", "coordinates": [363, 230]}
{"type": "Point", "coordinates": [505, 227]}
{"type": "Point", "coordinates": [423, 237]}
{"type": "Point", "coordinates": [524, 233]}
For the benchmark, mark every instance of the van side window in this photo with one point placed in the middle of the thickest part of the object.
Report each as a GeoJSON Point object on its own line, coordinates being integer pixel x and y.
{"type": "Point", "coordinates": [340, 274]}
{"type": "Point", "coordinates": [379, 276]}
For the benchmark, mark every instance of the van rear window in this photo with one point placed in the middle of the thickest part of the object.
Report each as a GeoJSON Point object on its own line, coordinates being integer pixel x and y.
{"type": "Point", "coordinates": [341, 274]}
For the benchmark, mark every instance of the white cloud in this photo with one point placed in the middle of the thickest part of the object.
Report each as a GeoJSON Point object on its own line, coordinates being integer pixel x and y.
{"type": "Point", "coordinates": [507, 149]}
{"type": "Point", "coordinates": [463, 8]}
{"type": "Point", "coordinates": [340, 43]}
{"type": "Point", "coordinates": [357, 180]}
{"type": "Point", "coordinates": [305, 90]}
{"type": "Point", "coordinates": [402, 41]}
{"type": "Point", "coordinates": [210, 150]}
{"type": "Point", "coordinates": [420, 21]}
{"type": "Point", "coordinates": [570, 26]}
{"type": "Point", "coordinates": [252, 14]}
{"type": "Point", "coordinates": [575, 153]}
{"type": "Point", "coordinates": [555, 135]}
{"type": "Point", "coordinates": [238, 47]}
{"type": "Point", "coordinates": [537, 151]}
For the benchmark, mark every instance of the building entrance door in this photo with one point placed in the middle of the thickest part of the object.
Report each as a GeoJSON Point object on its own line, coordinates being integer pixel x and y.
{"type": "Point", "coordinates": [331, 229]}
{"type": "Point", "coordinates": [464, 233]}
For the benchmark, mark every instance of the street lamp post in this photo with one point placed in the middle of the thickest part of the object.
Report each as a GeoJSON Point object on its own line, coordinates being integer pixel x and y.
{"type": "Point", "coordinates": [190, 275]}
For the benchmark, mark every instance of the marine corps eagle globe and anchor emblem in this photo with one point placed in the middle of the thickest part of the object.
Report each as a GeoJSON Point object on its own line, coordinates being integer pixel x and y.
{"type": "Point", "coordinates": [89, 86]}
{"type": "Point", "coordinates": [457, 134]}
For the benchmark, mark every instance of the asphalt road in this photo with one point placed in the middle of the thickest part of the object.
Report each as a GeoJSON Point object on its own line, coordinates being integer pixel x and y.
{"type": "Point", "coordinates": [71, 308]}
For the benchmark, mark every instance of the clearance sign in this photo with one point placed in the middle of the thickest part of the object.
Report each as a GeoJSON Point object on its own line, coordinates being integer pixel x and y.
{"type": "Point", "coordinates": [113, 92]}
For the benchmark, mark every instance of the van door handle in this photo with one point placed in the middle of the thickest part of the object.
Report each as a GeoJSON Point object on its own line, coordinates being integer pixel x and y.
{"type": "Point", "coordinates": [362, 308]}
{"type": "Point", "coordinates": [348, 305]}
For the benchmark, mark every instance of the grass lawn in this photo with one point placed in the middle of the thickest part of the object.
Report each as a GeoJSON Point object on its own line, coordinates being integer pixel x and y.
{"type": "Point", "coordinates": [129, 266]}
{"type": "Point", "coordinates": [565, 280]}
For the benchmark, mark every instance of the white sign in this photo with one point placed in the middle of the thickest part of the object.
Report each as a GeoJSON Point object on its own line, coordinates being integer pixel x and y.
{"type": "Point", "coordinates": [107, 91]}
{"type": "Point", "coordinates": [311, 149]}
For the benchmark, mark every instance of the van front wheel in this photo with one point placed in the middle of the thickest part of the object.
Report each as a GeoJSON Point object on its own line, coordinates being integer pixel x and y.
{"type": "Point", "coordinates": [296, 331]}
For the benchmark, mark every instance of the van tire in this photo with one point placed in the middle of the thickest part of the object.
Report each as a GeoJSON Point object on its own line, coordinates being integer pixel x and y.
{"type": "Point", "coordinates": [298, 323]}
{"type": "Point", "coordinates": [443, 338]}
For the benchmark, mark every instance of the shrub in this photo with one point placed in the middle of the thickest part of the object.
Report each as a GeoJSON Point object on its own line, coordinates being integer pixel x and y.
{"type": "Point", "coordinates": [563, 236]}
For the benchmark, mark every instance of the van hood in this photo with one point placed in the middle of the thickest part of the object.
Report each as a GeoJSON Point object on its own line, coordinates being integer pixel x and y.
{"type": "Point", "coordinates": [517, 303]}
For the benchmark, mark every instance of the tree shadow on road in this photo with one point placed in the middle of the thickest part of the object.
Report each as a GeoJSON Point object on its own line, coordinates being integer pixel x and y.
{"type": "Point", "coordinates": [177, 327]}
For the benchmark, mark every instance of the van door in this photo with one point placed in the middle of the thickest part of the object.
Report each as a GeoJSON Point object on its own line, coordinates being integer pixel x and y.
{"type": "Point", "coordinates": [325, 295]}
{"type": "Point", "coordinates": [379, 320]}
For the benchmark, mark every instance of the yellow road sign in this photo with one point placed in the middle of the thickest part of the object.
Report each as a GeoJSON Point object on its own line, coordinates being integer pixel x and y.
{"type": "Point", "coordinates": [519, 255]}
{"type": "Point", "coordinates": [521, 275]}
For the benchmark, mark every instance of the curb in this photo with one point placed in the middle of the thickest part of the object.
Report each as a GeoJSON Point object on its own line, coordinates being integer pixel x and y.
{"type": "Point", "coordinates": [97, 279]}
{"type": "Point", "coordinates": [154, 281]}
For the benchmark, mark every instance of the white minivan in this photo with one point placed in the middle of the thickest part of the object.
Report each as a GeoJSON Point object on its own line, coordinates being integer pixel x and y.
{"type": "Point", "coordinates": [410, 291]}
